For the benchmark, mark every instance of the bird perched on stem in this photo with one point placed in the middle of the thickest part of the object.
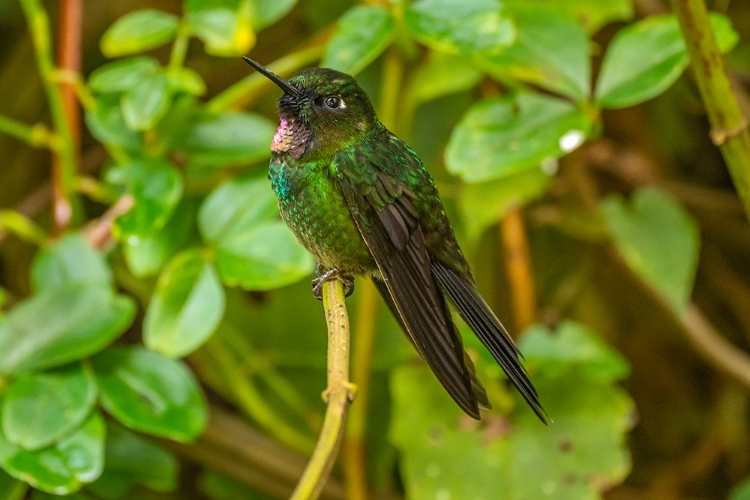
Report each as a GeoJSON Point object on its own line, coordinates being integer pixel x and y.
{"type": "Point", "coordinates": [361, 201]}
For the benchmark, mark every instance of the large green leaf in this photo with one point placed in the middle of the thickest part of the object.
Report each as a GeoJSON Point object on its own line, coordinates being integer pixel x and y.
{"type": "Point", "coordinates": [149, 392]}
{"type": "Point", "coordinates": [70, 261]}
{"type": "Point", "coordinates": [658, 239]}
{"type": "Point", "coordinates": [146, 102]}
{"type": "Point", "coordinates": [468, 27]}
{"type": "Point", "coordinates": [268, 12]}
{"type": "Point", "coordinates": [132, 460]}
{"type": "Point", "coordinates": [551, 51]}
{"type": "Point", "coordinates": [139, 31]}
{"type": "Point", "coordinates": [156, 187]}
{"type": "Point", "coordinates": [40, 408]}
{"type": "Point", "coordinates": [253, 248]}
{"type": "Point", "coordinates": [577, 456]}
{"type": "Point", "coordinates": [362, 34]}
{"type": "Point", "coordinates": [63, 467]}
{"type": "Point", "coordinates": [225, 26]}
{"type": "Point", "coordinates": [147, 254]}
{"type": "Point", "coordinates": [647, 57]}
{"type": "Point", "coordinates": [123, 74]}
{"type": "Point", "coordinates": [107, 124]}
{"type": "Point", "coordinates": [510, 134]}
{"type": "Point", "coordinates": [186, 307]}
{"type": "Point", "coordinates": [228, 138]}
{"type": "Point", "coordinates": [592, 15]}
{"type": "Point", "coordinates": [61, 325]}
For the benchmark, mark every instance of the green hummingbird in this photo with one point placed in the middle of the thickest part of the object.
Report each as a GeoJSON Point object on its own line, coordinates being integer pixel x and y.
{"type": "Point", "coordinates": [361, 201]}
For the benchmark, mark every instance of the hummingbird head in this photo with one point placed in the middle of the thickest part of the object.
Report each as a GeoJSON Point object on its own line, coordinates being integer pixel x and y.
{"type": "Point", "coordinates": [321, 112]}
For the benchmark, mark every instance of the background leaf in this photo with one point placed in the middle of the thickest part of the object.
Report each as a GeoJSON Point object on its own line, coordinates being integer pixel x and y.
{"type": "Point", "coordinates": [225, 26]}
{"type": "Point", "coordinates": [63, 467]}
{"type": "Point", "coordinates": [68, 323]}
{"type": "Point", "coordinates": [658, 239]}
{"type": "Point", "coordinates": [510, 134]}
{"type": "Point", "coordinates": [647, 57]}
{"type": "Point", "coordinates": [150, 393]}
{"type": "Point", "coordinates": [71, 261]}
{"type": "Point", "coordinates": [361, 35]}
{"type": "Point", "coordinates": [186, 307]}
{"type": "Point", "coordinates": [138, 31]}
{"type": "Point", "coordinates": [576, 455]}
{"type": "Point", "coordinates": [40, 408]}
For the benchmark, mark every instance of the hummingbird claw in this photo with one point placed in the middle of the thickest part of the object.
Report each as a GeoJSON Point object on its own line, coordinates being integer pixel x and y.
{"type": "Point", "coordinates": [330, 274]}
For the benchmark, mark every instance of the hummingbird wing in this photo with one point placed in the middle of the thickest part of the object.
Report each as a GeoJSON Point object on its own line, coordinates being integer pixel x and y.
{"type": "Point", "coordinates": [383, 210]}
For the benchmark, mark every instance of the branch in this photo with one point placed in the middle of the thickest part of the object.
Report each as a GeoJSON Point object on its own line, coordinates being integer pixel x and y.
{"type": "Point", "coordinates": [339, 395]}
{"type": "Point", "coordinates": [729, 127]}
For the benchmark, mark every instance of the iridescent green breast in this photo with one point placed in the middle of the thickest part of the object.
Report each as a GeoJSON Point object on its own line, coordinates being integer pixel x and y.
{"type": "Point", "coordinates": [311, 203]}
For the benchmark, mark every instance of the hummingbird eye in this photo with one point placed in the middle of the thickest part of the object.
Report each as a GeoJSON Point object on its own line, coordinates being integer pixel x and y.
{"type": "Point", "coordinates": [333, 102]}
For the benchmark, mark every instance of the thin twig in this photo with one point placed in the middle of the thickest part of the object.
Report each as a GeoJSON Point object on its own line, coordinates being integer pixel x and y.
{"type": "Point", "coordinates": [339, 395]}
{"type": "Point", "coordinates": [730, 130]}
{"type": "Point", "coordinates": [518, 266]}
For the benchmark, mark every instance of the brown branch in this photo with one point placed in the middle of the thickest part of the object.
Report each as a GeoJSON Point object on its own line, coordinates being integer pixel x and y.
{"type": "Point", "coordinates": [518, 266]}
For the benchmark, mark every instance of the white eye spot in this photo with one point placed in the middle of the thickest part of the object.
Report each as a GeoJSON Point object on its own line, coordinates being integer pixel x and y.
{"type": "Point", "coordinates": [571, 140]}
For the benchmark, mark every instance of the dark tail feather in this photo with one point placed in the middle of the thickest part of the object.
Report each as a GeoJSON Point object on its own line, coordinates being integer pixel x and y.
{"type": "Point", "coordinates": [476, 386]}
{"type": "Point", "coordinates": [477, 314]}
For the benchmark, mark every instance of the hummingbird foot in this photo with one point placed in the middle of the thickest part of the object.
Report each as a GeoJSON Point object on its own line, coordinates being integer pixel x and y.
{"type": "Point", "coordinates": [330, 274]}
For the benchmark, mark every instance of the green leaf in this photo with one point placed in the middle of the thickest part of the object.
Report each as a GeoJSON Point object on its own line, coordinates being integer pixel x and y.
{"type": "Point", "coordinates": [144, 104]}
{"type": "Point", "coordinates": [186, 80]}
{"type": "Point", "coordinates": [362, 34]}
{"type": "Point", "coordinates": [150, 393]}
{"type": "Point", "coordinates": [263, 257]}
{"type": "Point", "coordinates": [107, 124]}
{"type": "Point", "coordinates": [647, 57]}
{"type": "Point", "coordinates": [741, 491]}
{"type": "Point", "coordinates": [583, 451]}
{"type": "Point", "coordinates": [156, 187]}
{"type": "Point", "coordinates": [550, 51]}
{"type": "Point", "coordinates": [513, 133]}
{"type": "Point", "coordinates": [225, 26]}
{"type": "Point", "coordinates": [268, 12]}
{"type": "Point", "coordinates": [122, 75]}
{"type": "Point", "coordinates": [40, 408]}
{"type": "Point", "coordinates": [253, 248]}
{"type": "Point", "coordinates": [61, 325]}
{"type": "Point", "coordinates": [468, 27]}
{"type": "Point", "coordinates": [186, 307]}
{"type": "Point", "coordinates": [139, 31]}
{"type": "Point", "coordinates": [483, 204]}
{"type": "Point", "coordinates": [442, 75]}
{"type": "Point", "coordinates": [592, 15]}
{"type": "Point", "coordinates": [63, 467]}
{"type": "Point", "coordinates": [130, 461]}
{"type": "Point", "coordinates": [70, 261]}
{"type": "Point", "coordinates": [572, 346]}
{"type": "Point", "coordinates": [658, 239]}
{"type": "Point", "coordinates": [228, 139]}
{"type": "Point", "coordinates": [147, 254]}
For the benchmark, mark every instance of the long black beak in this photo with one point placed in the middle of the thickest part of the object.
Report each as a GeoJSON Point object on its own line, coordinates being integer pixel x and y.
{"type": "Point", "coordinates": [283, 84]}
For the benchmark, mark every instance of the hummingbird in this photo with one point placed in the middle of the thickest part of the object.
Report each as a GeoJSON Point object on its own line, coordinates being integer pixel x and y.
{"type": "Point", "coordinates": [363, 203]}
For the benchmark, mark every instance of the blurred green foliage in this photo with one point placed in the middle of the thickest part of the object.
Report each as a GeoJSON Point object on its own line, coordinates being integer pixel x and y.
{"type": "Point", "coordinates": [198, 296]}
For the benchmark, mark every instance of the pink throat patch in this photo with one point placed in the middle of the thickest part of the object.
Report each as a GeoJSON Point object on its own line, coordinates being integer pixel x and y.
{"type": "Point", "coordinates": [282, 139]}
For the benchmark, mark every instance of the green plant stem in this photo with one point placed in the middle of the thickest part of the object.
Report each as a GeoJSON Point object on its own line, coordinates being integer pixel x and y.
{"type": "Point", "coordinates": [15, 223]}
{"type": "Point", "coordinates": [729, 127]}
{"type": "Point", "coordinates": [254, 363]}
{"type": "Point", "coordinates": [64, 176]}
{"type": "Point", "coordinates": [179, 48]}
{"type": "Point", "coordinates": [36, 135]}
{"type": "Point", "coordinates": [239, 94]}
{"type": "Point", "coordinates": [339, 395]}
{"type": "Point", "coordinates": [250, 400]}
